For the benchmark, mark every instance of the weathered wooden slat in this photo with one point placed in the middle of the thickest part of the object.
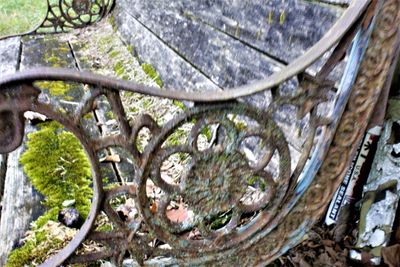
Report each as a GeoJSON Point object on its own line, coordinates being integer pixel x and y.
{"type": "Point", "coordinates": [101, 112]}
{"type": "Point", "coordinates": [54, 52]}
{"type": "Point", "coordinates": [48, 51]}
{"type": "Point", "coordinates": [9, 55]}
{"type": "Point", "coordinates": [9, 59]}
{"type": "Point", "coordinates": [174, 71]}
{"type": "Point", "coordinates": [227, 62]}
{"type": "Point", "coordinates": [109, 47]}
{"type": "Point", "coordinates": [20, 204]}
{"type": "Point", "coordinates": [282, 29]}
{"type": "Point", "coordinates": [19, 194]}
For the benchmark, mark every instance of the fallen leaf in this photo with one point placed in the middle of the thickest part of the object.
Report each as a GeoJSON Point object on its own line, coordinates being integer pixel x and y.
{"type": "Point", "coordinates": [153, 207]}
{"type": "Point", "coordinates": [391, 255]}
{"type": "Point", "coordinates": [111, 158]}
{"type": "Point", "coordinates": [327, 242]}
{"type": "Point", "coordinates": [178, 215]}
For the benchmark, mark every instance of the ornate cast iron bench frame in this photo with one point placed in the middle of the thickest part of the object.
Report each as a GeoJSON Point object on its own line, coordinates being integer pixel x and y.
{"type": "Point", "coordinates": [368, 32]}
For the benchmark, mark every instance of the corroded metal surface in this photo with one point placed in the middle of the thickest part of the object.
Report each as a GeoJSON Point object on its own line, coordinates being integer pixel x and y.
{"type": "Point", "coordinates": [71, 14]}
{"type": "Point", "coordinates": [267, 211]}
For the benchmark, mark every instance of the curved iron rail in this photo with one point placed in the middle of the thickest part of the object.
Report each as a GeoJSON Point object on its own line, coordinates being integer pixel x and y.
{"type": "Point", "coordinates": [217, 178]}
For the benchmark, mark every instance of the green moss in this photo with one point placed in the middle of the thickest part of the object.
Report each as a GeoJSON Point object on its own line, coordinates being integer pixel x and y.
{"type": "Point", "coordinates": [130, 48]}
{"type": "Point", "coordinates": [56, 88]}
{"type": "Point", "coordinates": [151, 71]}
{"type": "Point", "coordinates": [179, 104]}
{"type": "Point", "coordinates": [282, 17]}
{"type": "Point", "coordinates": [55, 55]}
{"type": "Point", "coordinates": [147, 102]}
{"type": "Point", "coordinates": [88, 116]}
{"type": "Point", "coordinates": [34, 251]}
{"type": "Point", "coordinates": [64, 49]}
{"type": "Point", "coordinates": [240, 125]}
{"type": "Point", "coordinates": [114, 54]}
{"type": "Point", "coordinates": [111, 20]}
{"type": "Point", "coordinates": [206, 131]}
{"type": "Point", "coordinates": [119, 68]}
{"type": "Point", "coordinates": [220, 220]}
{"type": "Point", "coordinates": [105, 42]}
{"type": "Point", "coordinates": [178, 137]}
{"type": "Point", "coordinates": [110, 115]}
{"type": "Point", "coordinates": [258, 182]}
{"type": "Point", "coordinates": [58, 168]}
{"type": "Point", "coordinates": [50, 215]}
{"type": "Point", "coordinates": [134, 109]}
{"type": "Point", "coordinates": [105, 228]}
{"type": "Point", "coordinates": [21, 256]}
{"type": "Point", "coordinates": [52, 59]}
{"type": "Point", "coordinates": [270, 17]}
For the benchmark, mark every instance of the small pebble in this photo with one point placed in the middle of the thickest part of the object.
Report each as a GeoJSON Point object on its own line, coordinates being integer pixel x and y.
{"type": "Point", "coordinates": [70, 217]}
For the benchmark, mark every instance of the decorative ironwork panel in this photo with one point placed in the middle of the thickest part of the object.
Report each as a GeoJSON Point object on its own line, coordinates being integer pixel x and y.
{"type": "Point", "coordinates": [64, 15]}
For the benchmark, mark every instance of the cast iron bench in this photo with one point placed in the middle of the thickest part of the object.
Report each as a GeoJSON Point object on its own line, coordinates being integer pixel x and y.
{"type": "Point", "coordinates": [365, 40]}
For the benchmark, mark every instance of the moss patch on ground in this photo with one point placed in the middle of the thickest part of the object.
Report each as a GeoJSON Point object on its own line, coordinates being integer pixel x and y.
{"type": "Point", "coordinates": [40, 244]}
{"type": "Point", "coordinates": [58, 168]}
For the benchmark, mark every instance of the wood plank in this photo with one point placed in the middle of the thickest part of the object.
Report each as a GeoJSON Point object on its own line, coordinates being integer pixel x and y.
{"type": "Point", "coordinates": [20, 204]}
{"type": "Point", "coordinates": [282, 29]}
{"type": "Point", "coordinates": [45, 51]}
{"type": "Point", "coordinates": [52, 51]}
{"type": "Point", "coordinates": [9, 55]}
{"type": "Point", "coordinates": [109, 49]}
{"type": "Point", "coordinates": [19, 194]}
{"type": "Point", "coordinates": [272, 27]}
{"type": "Point", "coordinates": [228, 65]}
{"type": "Point", "coordinates": [122, 170]}
{"type": "Point", "coordinates": [174, 71]}
{"type": "Point", "coordinates": [226, 61]}
{"type": "Point", "coordinates": [9, 59]}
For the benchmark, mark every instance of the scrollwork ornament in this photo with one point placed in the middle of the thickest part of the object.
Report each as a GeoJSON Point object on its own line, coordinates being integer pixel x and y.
{"type": "Point", "coordinates": [216, 178]}
{"type": "Point", "coordinates": [13, 103]}
{"type": "Point", "coordinates": [65, 15]}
